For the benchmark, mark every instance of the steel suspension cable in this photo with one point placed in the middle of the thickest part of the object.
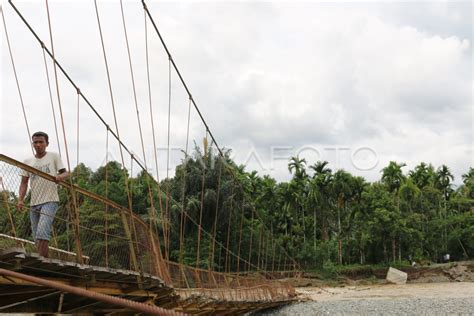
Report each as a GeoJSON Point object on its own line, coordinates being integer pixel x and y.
{"type": "Point", "coordinates": [56, 62]}
{"type": "Point", "coordinates": [133, 254]}
{"type": "Point", "coordinates": [107, 196]}
{"type": "Point", "coordinates": [183, 197]}
{"type": "Point", "coordinates": [154, 216]}
{"type": "Point", "coordinates": [259, 245]}
{"type": "Point", "coordinates": [133, 84]}
{"type": "Point", "coordinates": [179, 74]}
{"type": "Point", "coordinates": [73, 196]}
{"type": "Point", "coordinates": [267, 239]}
{"type": "Point", "coordinates": [240, 233]}
{"type": "Point", "coordinates": [145, 7]}
{"type": "Point", "coordinates": [51, 98]}
{"type": "Point", "coordinates": [73, 83]}
{"type": "Point", "coordinates": [152, 122]}
{"type": "Point", "coordinates": [89, 104]}
{"type": "Point", "coordinates": [167, 217]}
{"type": "Point", "coordinates": [214, 229]}
{"type": "Point", "coordinates": [203, 188]}
{"type": "Point", "coordinates": [77, 134]}
{"type": "Point", "coordinates": [250, 246]}
{"type": "Point", "coordinates": [70, 80]}
{"type": "Point", "coordinates": [228, 230]}
{"type": "Point", "coordinates": [230, 252]}
{"type": "Point", "coordinates": [16, 79]}
{"type": "Point", "coordinates": [150, 193]}
{"type": "Point", "coordinates": [273, 250]}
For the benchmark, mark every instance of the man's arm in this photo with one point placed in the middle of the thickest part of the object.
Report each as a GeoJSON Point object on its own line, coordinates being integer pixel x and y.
{"type": "Point", "coordinates": [63, 174]}
{"type": "Point", "coordinates": [22, 192]}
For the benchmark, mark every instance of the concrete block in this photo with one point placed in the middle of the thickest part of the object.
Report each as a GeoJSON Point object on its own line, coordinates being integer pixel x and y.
{"type": "Point", "coordinates": [396, 276]}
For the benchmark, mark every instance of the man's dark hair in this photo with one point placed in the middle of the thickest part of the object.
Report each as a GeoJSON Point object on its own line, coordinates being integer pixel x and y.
{"type": "Point", "coordinates": [41, 134]}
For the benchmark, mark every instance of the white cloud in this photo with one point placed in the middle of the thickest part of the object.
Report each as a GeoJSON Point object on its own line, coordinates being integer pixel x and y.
{"type": "Point", "coordinates": [264, 74]}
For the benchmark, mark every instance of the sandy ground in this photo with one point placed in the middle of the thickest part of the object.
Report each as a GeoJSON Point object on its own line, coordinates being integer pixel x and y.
{"type": "Point", "coordinates": [453, 298]}
{"type": "Point", "coordinates": [390, 291]}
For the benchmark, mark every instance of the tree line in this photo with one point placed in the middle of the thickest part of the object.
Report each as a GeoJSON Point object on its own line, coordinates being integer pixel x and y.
{"type": "Point", "coordinates": [319, 216]}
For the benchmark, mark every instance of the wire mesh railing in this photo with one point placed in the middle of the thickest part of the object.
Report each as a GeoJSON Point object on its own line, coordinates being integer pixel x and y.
{"type": "Point", "coordinates": [97, 231]}
{"type": "Point", "coordinates": [92, 230]}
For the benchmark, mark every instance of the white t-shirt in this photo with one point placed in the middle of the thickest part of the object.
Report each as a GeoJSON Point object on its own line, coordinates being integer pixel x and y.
{"type": "Point", "coordinates": [43, 190]}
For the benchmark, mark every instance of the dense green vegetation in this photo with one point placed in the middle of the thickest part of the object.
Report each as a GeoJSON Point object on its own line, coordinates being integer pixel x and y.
{"type": "Point", "coordinates": [320, 216]}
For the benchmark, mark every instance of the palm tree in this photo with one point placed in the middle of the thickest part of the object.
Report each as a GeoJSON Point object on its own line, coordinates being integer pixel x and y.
{"type": "Point", "coordinates": [318, 195]}
{"type": "Point", "coordinates": [468, 180]}
{"type": "Point", "coordinates": [468, 176]}
{"type": "Point", "coordinates": [443, 179]}
{"type": "Point", "coordinates": [343, 191]}
{"type": "Point", "coordinates": [422, 175]}
{"type": "Point", "coordinates": [392, 177]}
{"type": "Point", "coordinates": [297, 167]}
{"type": "Point", "coordinates": [358, 185]}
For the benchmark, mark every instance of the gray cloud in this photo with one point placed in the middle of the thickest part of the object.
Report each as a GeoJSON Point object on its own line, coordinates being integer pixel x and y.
{"type": "Point", "coordinates": [396, 77]}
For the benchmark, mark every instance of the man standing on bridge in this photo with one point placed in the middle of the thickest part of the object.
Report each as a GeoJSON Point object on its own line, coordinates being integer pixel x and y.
{"type": "Point", "coordinates": [44, 193]}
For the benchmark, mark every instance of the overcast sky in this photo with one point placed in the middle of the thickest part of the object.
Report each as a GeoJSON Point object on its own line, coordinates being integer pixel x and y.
{"type": "Point", "coordinates": [357, 84]}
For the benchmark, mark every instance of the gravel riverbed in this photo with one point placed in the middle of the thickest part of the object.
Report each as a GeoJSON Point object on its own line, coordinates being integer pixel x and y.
{"type": "Point", "coordinates": [450, 298]}
{"type": "Point", "coordinates": [410, 306]}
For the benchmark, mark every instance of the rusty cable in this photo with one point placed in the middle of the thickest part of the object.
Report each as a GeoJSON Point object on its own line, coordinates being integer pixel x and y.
{"type": "Point", "coordinates": [141, 307]}
{"type": "Point", "coordinates": [16, 79]}
{"type": "Point", "coordinates": [51, 99]}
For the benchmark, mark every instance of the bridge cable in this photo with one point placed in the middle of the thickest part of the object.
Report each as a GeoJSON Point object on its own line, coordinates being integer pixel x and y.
{"type": "Point", "coordinates": [214, 229]}
{"type": "Point", "coordinates": [133, 84]}
{"type": "Point", "coordinates": [16, 79]}
{"type": "Point", "coordinates": [203, 188]}
{"type": "Point", "coordinates": [167, 217]}
{"type": "Point", "coordinates": [138, 113]}
{"type": "Point", "coordinates": [73, 196]}
{"type": "Point", "coordinates": [187, 90]}
{"type": "Point", "coordinates": [240, 234]}
{"type": "Point", "coordinates": [107, 196]}
{"type": "Point", "coordinates": [141, 307]}
{"type": "Point", "coordinates": [158, 186]}
{"type": "Point", "coordinates": [250, 246]}
{"type": "Point", "coordinates": [126, 180]}
{"type": "Point", "coordinates": [71, 80]}
{"type": "Point", "coordinates": [183, 197]}
{"type": "Point", "coordinates": [227, 267]}
{"type": "Point", "coordinates": [273, 248]}
{"type": "Point", "coordinates": [259, 245]}
{"type": "Point", "coordinates": [208, 234]}
{"type": "Point", "coordinates": [51, 99]}
{"type": "Point", "coordinates": [73, 83]}
{"type": "Point", "coordinates": [77, 135]}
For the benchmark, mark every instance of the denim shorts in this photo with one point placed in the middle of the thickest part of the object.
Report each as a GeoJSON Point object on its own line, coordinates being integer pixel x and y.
{"type": "Point", "coordinates": [42, 217]}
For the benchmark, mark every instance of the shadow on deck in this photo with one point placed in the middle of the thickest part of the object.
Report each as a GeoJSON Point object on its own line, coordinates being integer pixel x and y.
{"type": "Point", "coordinates": [21, 296]}
{"type": "Point", "coordinates": [17, 295]}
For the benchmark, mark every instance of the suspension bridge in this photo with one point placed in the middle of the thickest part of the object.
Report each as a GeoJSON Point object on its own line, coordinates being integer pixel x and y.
{"type": "Point", "coordinates": [173, 250]}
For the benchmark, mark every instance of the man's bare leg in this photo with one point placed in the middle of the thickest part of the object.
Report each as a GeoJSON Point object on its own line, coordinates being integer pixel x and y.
{"type": "Point", "coordinates": [43, 247]}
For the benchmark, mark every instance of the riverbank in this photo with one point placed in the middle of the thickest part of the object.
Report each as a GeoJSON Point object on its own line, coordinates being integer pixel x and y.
{"type": "Point", "coordinates": [432, 290]}
{"type": "Point", "coordinates": [385, 299]}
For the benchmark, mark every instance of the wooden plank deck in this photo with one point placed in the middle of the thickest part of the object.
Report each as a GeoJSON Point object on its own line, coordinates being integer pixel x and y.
{"type": "Point", "coordinates": [21, 296]}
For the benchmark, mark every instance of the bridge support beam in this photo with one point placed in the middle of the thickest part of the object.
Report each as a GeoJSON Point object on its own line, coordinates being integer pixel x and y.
{"type": "Point", "coordinates": [143, 308]}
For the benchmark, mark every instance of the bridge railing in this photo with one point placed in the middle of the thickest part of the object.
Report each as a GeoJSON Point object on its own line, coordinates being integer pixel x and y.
{"type": "Point", "coordinates": [87, 227]}
{"type": "Point", "coordinates": [91, 229]}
